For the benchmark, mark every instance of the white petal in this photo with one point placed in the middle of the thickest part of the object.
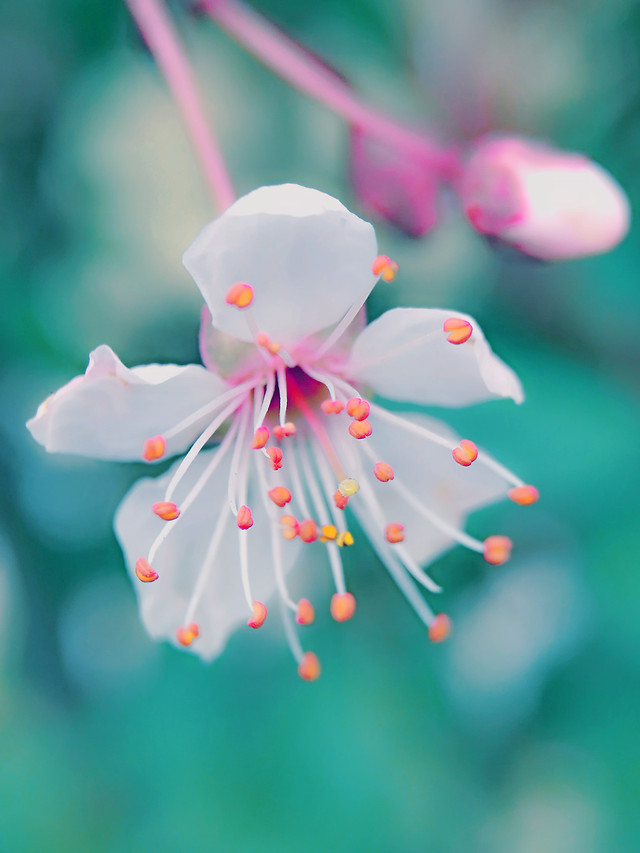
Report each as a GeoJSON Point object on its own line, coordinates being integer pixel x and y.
{"type": "Point", "coordinates": [405, 355]}
{"type": "Point", "coordinates": [109, 411]}
{"type": "Point", "coordinates": [427, 472]}
{"type": "Point", "coordinates": [306, 256]}
{"type": "Point", "coordinates": [179, 562]}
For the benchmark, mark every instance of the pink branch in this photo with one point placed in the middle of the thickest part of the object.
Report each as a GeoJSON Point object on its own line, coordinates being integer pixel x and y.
{"type": "Point", "coordinates": [298, 68]}
{"type": "Point", "coordinates": [162, 39]}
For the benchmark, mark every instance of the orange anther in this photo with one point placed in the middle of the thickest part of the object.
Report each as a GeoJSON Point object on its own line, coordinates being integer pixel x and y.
{"type": "Point", "coordinates": [275, 457]}
{"type": "Point", "coordinates": [259, 615]}
{"type": "Point", "coordinates": [344, 539]}
{"type": "Point", "coordinates": [244, 519]}
{"type": "Point", "coordinates": [343, 606]}
{"type": "Point", "coordinates": [497, 549]}
{"type": "Point", "coordinates": [185, 636]}
{"type": "Point", "coordinates": [466, 453]}
{"type": "Point", "coordinates": [329, 533]}
{"type": "Point", "coordinates": [279, 495]}
{"type": "Point", "coordinates": [309, 667]}
{"type": "Point", "coordinates": [290, 526]}
{"type": "Point", "coordinates": [332, 407]}
{"type": "Point", "coordinates": [459, 330]}
{"type": "Point", "coordinates": [357, 408]}
{"type": "Point", "coordinates": [305, 614]}
{"type": "Point", "coordinates": [440, 628]}
{"type": "Point", "coordinates": [154, 448]}
{"type": "Point", "coordinates": [144, 572]}
{"type": "Point", "coordinates": [384, 267]}
{"type": "Point", "coordinates": [287, 429]}
{"type": "Point", "coordinates": [260, 438]}
{"type": "Point", "coordinates": [383, 472]}
{"type": "Point", "coordinates": [166, 510]}
{"type": "Point", "coordinates": [340, 500]}
{"type": "Point", "coordinates": [360, 429]}
{"type": "Point", "coordinates": [263, 340]}
{"type": "Point", "coordinates": [394, 533]}
{"type": "Point", "coordinates": [524, 495]}
{"type": "Point", "coordinates": [308, 530]}
{"type": "Point", "coordinates": [240, 295]}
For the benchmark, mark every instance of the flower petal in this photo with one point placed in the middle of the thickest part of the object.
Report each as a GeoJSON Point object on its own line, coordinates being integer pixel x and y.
{"type": "Point", "coordinates": [306, 256]}
{"type": "Point", "coordinates": [108, 412]}
{"type": "Point", "coordinates": [180, 560]}
{"type": "Point", "coordinates": [405, 355]}
{"type": "Point", "coordinates": [426, 472]}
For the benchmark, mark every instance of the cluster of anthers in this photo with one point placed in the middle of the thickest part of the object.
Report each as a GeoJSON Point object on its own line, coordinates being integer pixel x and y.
{"type": "Point", "coordinates": [308, 473]}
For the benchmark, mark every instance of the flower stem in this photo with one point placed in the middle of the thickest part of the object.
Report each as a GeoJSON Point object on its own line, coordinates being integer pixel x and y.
{"type": "Point", "coordinates": [161, 37]}
{"type": "Point", "coordinates": [291, 62]}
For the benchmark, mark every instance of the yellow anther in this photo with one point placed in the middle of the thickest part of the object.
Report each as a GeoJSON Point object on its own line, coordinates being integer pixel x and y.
{"type": "Point", "coordinates": [358, 408]}
{"type": "Point", "coordinates": [466, 453]}
{"type": "Point", "coordinates": [383, 472]}
{"type": "Point", "coordinates": [144, 572]}
{"type": "Point", "coordinates": [305, 614]}
{"type": "Point", "coordinates": [154, 448]}
{"type": "Point", "coordinates": [385, 268]}
{"type": "Point", "coordinates": [394, 533]}
{"type": "Point", "coordinates": [329, 533]}
{"type": "Point", "coordinates": [524, 495]}
{"type": "Point", "coordinates": [244, 519]}
{"type": "Point", "coordinates": [440, 628]}
{"type": "Point", "coordinates": [260, 438]}
{"type": "Point", "coordinates": [185, 636]}
{"type": "Point", "coordinates": [497, 549]}
{"type": "Point", "coordinates": [279, 495]}
{"type": "Point", "coordinates": [332, 407]}
{"type": "Point", "coordinates": [259, 615]}
{"type": "Point", "coordinates": [166, 510]}
{"type": "Point", "coordinates": [360, 429]}
{"type": "Point", "coordinates": [240, 295]}
{"type": "Point", "coordinates": [459, 330]}
{"type": "Point", "coordinates": [348, 487]}
{"type": "Point", "coordinates": [344, 539]}
{"type": "Point", "coordinates": [309, 667]}
{"type": "Point", "coordinates": [343, 606]}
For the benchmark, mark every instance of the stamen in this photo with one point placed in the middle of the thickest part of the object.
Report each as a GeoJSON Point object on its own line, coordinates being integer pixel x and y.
{"type": "Point", "coordinates": [345, 539]}
{"type": "Point", "coordinates": [385, 268]}
{"type": "Point", "coordinates": [166, 510]}
{"type": "Point", "coordinates": [154, 448]}
{"type": "Point", "coordinates": [208, 562]}
{"type": "Point", "coordinates": [260, 438]}
{"type": "Point", "coordinates": [285, 430]}
{"type": "Point", "coordinates": [282, 390]}
{"type": "Point", "coordinates": [239, 461]}
{"type": "Point", "coordinates": [263, 340]}
{"type": "Point", "coordinates": [275, 457]}
{"type": "Point", "coordinates": [440, 628]}
{"type": "Point", "coordinates": [305, 614]}
{"type": "Point", "coordinates": [394, 533]}
{"type": "Point", "coordinates": [290, 526]}
{"type": "Point", "coordinates": [323, 379]}
{"type": "Point", "coordinates": [244, 519]}
{"type": "Point", "coordinates": [266, 401]}
{"type": "Point", "coordinates": [360, 429]}
{"type": "Point", "coordinates": [309, 667]}
{"type": "Point", "coordinates": [279, 495]}
{"type": "Point", "coordinates": [383, 472]}
{"type": "Point", "coordinates": [358, 408]}
{"type": "Point", "coordinates": [332, 407]}
{"type": "Point", "coordinates": [317, 427]}
{"type": "Point", "coordinates": [466, 453]}
{"type": "Point", "coordinates": [343, 606]}
{"type": "Point", "coordinates": [340, 500]}
{"type": "Point", "coordinates": [208, 409]}
{"type": "Point", "coordinates": [497, 549]}
{"type": "Point", "coordinates": [308, 530]}
{"type": "Point", "coordinates": [348, 487]}
{"type": "Point", "coordinates": [144, 572]}
{"type": "Point", "coordinates": [240, 295]}
{"type": "Point", "coordinates": [329, 533]}
{"type": "Point", "coordinates": [185, 636]}
{"type": "Point", "coordinates": [259, 615]}
{"type": "Point", "coordinates": [524, 495]}
{"type": "Point", "coordinates": [459, 330]}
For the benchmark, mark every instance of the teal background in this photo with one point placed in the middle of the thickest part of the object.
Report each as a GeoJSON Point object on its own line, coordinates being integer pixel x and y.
{"type": "Point", "coordinates": [519, 735]}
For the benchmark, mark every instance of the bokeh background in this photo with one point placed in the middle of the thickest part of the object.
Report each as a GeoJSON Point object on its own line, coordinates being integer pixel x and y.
{"type": "Point", "coordinates": [522, 733]}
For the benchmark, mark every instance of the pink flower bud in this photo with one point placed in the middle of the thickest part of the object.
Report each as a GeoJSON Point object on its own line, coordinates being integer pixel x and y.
{"type": "Point", "coordinates": [547, 203]}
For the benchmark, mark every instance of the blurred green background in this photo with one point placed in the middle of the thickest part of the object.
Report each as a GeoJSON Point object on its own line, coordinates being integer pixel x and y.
{"type": "Point", "coordinates": [521, 734]}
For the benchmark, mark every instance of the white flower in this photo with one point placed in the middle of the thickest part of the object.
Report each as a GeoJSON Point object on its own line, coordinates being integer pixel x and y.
{"type": "Point", "coordinates": [285, 272]}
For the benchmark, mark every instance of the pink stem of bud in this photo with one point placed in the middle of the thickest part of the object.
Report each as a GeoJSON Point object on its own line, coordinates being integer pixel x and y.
{"type": "Point", "coordinates": [299, 68]}
{"type": "Point", "coordinates": [161, 37]}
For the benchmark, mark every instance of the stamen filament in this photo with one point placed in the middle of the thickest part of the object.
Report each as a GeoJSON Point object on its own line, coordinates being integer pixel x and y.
{"type": "Point", "coordinates": [266, 400]}
{"type": "Point", "coordinates": [209, 559]}
{"type": "Point", "coordinates": [290, 634]}
{"type": "Point", "coordinates": [322, 378]}
{"type": "Point", "coordinates": [346, 321]}
{"type": "Point", "coordinates": [317, 426]}
{"type": "Point", "coordinates": [385, 355]}
{"type": "Point", "coordinates": [282, 390]}
{"type": "Point", "coordinates": [209, 408]}
{"type": "Point", "coordinates": [239, 465]}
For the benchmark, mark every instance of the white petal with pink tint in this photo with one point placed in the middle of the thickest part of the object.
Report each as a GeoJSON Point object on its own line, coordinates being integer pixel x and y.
{"type": "Point", "coordinates": [108, 412]}
{"type": "Point", "coordinates": [405, 355]}
{"type": "Point", "coordinates": [306, 256]}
